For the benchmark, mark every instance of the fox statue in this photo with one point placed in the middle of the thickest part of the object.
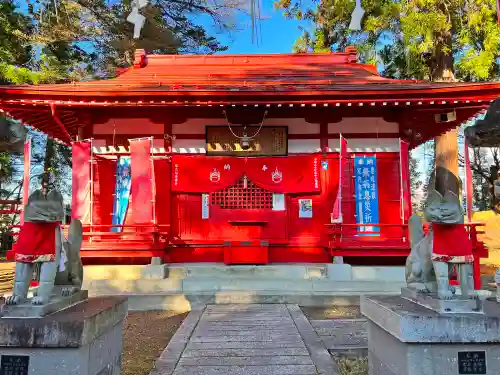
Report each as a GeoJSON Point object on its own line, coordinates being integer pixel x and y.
{"type": "Point", "coordinates": [41, 241]}
{"type": "Point", "coordinates": [428, 266]}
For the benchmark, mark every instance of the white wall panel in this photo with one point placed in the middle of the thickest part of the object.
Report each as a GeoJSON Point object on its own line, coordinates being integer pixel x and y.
{"type": "Point", "coordinates": [197, 125]}
{"type": "Point", "coordinates": [189, 146]}
{"type": "Point", "coordinates": [304, 145]}
{"type": "Point", "coordinates": [363, 125]}
{"type": "Point", "coordinates": [366, 145]}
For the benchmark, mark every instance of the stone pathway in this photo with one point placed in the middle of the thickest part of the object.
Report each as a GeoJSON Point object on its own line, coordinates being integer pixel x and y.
{"type": "Point", "coordinates": [343, 337]}
{"type": "Point", "coordinates": [246, 340]}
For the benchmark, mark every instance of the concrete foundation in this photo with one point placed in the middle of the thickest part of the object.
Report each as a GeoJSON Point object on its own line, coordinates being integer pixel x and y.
{"type": "Point", "coordinates": [85, 339]}
{"type": "Point", "coordinates": [182, 287]}
{"type": "Point", "coordinates": [405, 338]}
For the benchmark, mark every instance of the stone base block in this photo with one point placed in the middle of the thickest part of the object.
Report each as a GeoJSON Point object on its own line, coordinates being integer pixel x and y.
{"type": "Point", "coordinates": [27, 310]}
{"type": "Point", "coordinates": [155, 271]}
{"type": "Point", "coordinates": [405, 338]}
{"type": "Point", "coordinates": [85, 339]}
{"type": "Point", "coordinates": [339, 272]}
{"type": "Point", "coordinates": [459, 304]}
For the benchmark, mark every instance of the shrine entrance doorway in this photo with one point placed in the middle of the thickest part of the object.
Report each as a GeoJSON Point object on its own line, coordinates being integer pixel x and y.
{"type": "Point", "coordinates": [247, 212]}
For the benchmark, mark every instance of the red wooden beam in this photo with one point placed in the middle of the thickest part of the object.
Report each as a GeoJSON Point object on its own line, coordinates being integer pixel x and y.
{"type": "Point", "coordinates": [56, 119]}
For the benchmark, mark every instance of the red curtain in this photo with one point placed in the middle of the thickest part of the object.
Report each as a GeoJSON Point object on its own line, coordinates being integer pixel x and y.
{"type": "Point", "coordinates": [142, 180]}
{"type": "Point", "coordinates": [162, 184]}
{"type": "Point", "coordinates": [80, 206]}
{"type": "Point", "coordinates": [104, 188]}
{"type": "Point", "coordinates": [292, 174]}
{"type": "Point", "coordinates": [202, 174]}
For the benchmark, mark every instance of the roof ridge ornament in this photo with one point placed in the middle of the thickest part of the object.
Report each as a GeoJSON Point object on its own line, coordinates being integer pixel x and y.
{"type": "Point", "coordinates": [352, 54]}
{"type": "Point", "coordinates": [136, 18]}
{"type": "Point", "coordinates": [356, 17]}
{"type": "Point", "coordinates": [140, 58]}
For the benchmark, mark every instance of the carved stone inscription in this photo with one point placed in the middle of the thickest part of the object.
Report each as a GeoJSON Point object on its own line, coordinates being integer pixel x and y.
{"type": "Point", "coordinates": [472, 362]}
{"type": "Point", "coordinates": [14, 365]}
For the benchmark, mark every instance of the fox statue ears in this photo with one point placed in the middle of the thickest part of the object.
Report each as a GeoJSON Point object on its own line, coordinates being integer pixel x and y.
{"type": "Point", "coordinates": [435, 198]}
{"type": "Point", "coordinates": [37, 195]}
{"type": "Point", "coordinates": [52, 196]}
{"type": "Point", "coordinates": [55, 196]}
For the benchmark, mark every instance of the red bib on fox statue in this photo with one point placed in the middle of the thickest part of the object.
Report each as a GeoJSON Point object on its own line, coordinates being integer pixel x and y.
{"type": "Point", "coordinates": [37, 237]}
{"type": "Point", "coordinates": [450, 242]}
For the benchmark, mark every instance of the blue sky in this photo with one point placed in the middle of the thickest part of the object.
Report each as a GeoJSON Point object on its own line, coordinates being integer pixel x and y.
{"type": "Point", "coordinates": [278, 33]}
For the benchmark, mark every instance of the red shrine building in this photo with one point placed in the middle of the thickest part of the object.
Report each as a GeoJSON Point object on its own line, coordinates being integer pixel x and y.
{"type": "Point", "coordinates": [238, 159]}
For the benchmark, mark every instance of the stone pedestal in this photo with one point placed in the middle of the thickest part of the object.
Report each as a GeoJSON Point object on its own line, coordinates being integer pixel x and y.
{"type": "Point", "coordinates": [85, 339]}
{"type": "Point", "coordinates": [27, 310]}
{"type": "Point", "coordinates": [405, 338]}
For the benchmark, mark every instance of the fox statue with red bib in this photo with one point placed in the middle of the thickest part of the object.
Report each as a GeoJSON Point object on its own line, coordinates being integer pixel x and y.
{"type": "Point", "coordinates": [446, 244]}
{"type": "Point", "coordinates": [41, 240]}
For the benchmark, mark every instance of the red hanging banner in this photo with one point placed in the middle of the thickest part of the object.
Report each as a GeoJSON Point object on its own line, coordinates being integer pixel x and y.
{"type": "Point", "coordinates": [498, 11]}
{"type": "Point", "coordinates": [81, 200]}
{"type": "Point", "coordinates": [141, 170]}
{"type": "Point", "coordinates": [202, 174]}
{"type": "Point", "coordinates": [292, 174]}
{"type": "Point", "coordinates": [336, 216]}
{"type": "Point", "coordinates": [468, 182]}
{"type": "Point", "coordinates": [405, 176]}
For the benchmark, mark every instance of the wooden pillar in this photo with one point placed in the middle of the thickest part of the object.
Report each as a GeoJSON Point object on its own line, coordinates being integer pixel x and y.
{"type": "Point", "coordinates": [446, 151]}
{"type": "Point", "coordinates": [323, 134]}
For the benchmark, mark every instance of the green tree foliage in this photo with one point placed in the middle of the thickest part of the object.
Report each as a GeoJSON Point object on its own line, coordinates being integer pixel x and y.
{"type": "Point", "coordinates": [415, 183]}
{"type": "Point", "coordinates": [73, 40]}
{"type": "Point", "coordinates": [416, 39]}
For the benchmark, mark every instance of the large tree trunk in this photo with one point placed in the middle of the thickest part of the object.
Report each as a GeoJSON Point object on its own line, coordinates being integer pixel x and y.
{"type": "Point", "coordinates": [48, 162]}
{"type": "Point", "coordinates": [446, 145]}
{"type": "Point", "coordinates": [446, 151]}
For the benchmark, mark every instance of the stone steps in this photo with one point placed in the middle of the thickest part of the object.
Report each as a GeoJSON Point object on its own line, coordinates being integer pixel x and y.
{"type": "Point", "coordinates": [212, 285]}
{"type": "Point", "coordinates": [209, 270]}
{"type": "Point", "coordinates": [180, 287]}
{"type": "Point", "coordinates": [182, 302]}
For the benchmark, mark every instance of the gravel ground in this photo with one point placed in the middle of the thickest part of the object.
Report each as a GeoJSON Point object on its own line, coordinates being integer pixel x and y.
{"type": "Point", "coordinates": [331, 312]}
{"type": "Point", "coordinates": [6, 276]}
{"type": "Point", "coordinates": [145, 335]}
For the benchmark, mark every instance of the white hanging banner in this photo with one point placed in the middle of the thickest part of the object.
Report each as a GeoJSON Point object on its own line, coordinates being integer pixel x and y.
{"type": "Point", "coordinates": [305, 208]}
{"type": "Point", "coordinates": [278, 202]}
{"type": "Point", "coordinates": [205, 202]}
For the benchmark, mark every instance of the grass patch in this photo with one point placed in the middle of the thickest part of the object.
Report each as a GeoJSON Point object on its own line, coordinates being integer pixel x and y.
{"type": "Point", "coordinates": [145, 335]}
{"type": "Point", "coordinates": [353, 366]}
{"type": "Point", "coordinates": [331, 312]}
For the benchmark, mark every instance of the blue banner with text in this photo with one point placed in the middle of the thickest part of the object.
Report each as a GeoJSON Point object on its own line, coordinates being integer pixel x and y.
{"type": "Point", "coordinates": [122, 192]}
{"type": "Point", "coordinates": [365, 173]}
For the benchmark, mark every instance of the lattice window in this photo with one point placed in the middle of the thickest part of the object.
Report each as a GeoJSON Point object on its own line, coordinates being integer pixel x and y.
{"type": "Point", "coordinates": [270, 140]}
{"type": "Point", "coordinates": [243, 196]}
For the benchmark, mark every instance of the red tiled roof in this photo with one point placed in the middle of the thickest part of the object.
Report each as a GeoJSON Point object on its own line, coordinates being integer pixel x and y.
{"type": "Point", "coordinates": [288, 74]}
{"type": "Point", "coordinates": [179, 80]}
